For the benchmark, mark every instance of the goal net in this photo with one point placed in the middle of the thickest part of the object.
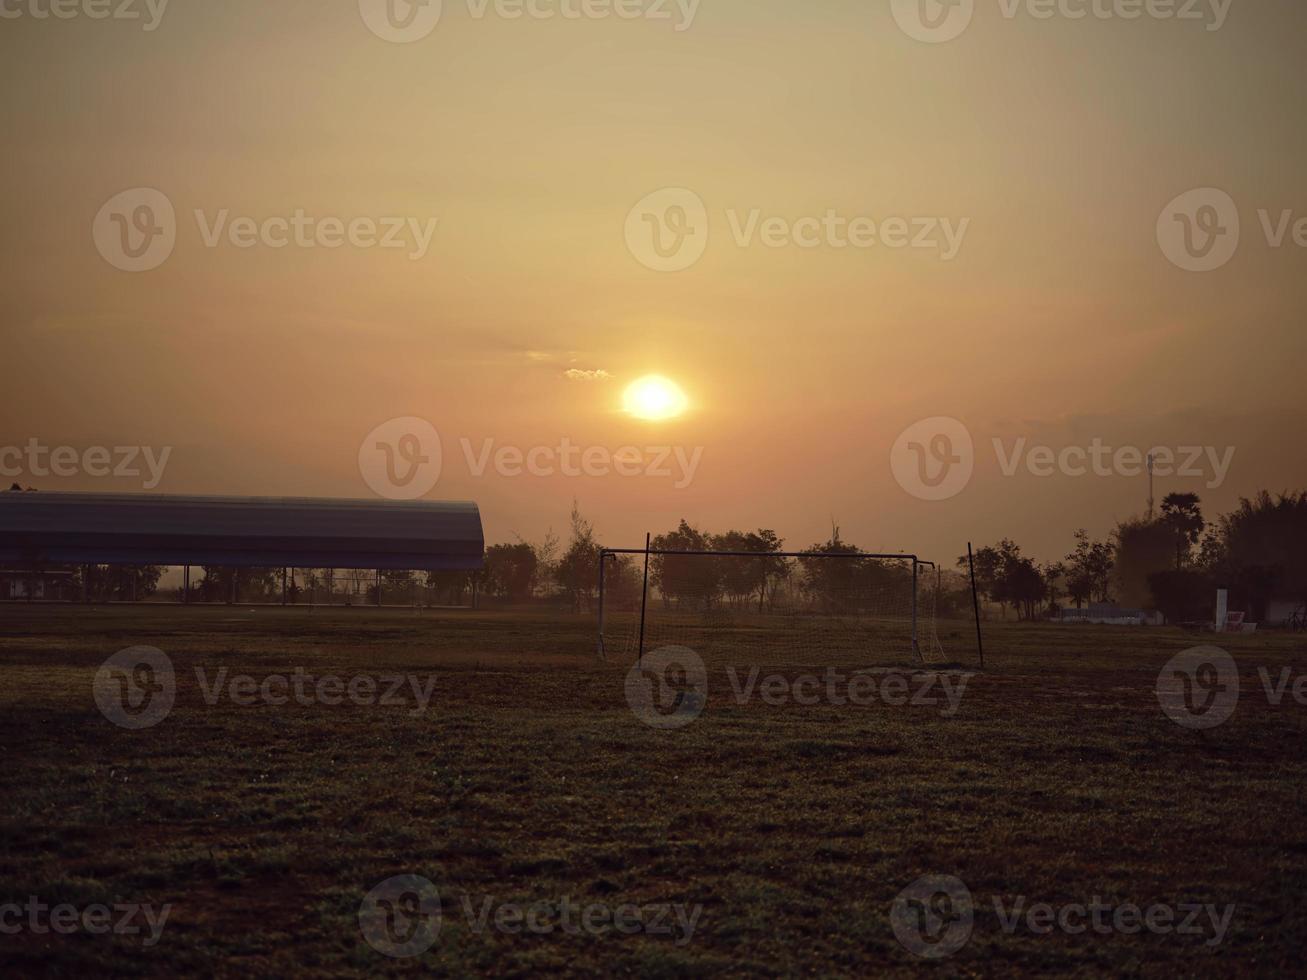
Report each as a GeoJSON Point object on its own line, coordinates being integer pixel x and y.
{"type": "Point", "coordinates": [783, 607]}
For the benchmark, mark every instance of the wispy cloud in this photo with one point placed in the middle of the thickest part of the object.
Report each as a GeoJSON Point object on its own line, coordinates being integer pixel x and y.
{"type": "Point", "coordinates": [576, 374]}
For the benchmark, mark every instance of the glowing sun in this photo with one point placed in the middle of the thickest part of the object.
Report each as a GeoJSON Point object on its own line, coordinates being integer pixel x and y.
{"type": "Point", "coordinates": [655, 398]}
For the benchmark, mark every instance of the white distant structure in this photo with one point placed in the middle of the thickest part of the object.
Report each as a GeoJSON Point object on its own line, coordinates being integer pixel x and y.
{"type": "Point", "coordinates": [1227, 621]}
{"type": "Point", "coordinates": [1108, 614]}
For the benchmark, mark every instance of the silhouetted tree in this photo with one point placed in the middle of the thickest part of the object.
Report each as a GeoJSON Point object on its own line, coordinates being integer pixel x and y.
{"type": "Point", "coordinates": [1183, 515]}
{"type": "Point", "coordinates": [1181, 594]}
{"type": "Point", "coordinates": [683, 580]}
{"type": "Point", "coordinates": [577, 572]}
{"type": "Point", "coordinates": [1142, 548]}
{"type": "Point", "coordinates": [1089, 570]}
{"type": "Point", "coordinates": [744, 578]}
{"type": "Point", "coordinates": [1260, 550]}
{"type": "Point", "coordinates": [510, 572]}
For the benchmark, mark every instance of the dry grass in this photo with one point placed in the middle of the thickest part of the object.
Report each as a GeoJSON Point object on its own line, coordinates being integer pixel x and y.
{"type": "Point", "coordinates": [530, 779]}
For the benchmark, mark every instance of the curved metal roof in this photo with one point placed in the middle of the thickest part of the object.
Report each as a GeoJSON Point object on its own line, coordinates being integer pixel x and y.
{"type": "Point", "coordinates": [150, 529]}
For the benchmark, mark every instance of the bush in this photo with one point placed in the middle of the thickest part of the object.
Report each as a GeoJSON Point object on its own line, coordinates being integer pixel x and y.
{"type": "Point", "coordinates": [1182, 595]}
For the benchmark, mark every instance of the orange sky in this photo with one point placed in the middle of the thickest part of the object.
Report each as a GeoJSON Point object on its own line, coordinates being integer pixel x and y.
{"type": "Point", "coordinates": [1060, 320]}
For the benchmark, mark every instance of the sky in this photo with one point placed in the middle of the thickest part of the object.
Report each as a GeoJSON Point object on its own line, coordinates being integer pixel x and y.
{"type": "Point", "coordinates": [864, 252]}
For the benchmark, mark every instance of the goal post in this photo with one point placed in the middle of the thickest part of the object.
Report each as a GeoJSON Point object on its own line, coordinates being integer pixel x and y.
{"type": "Point", "coordinates": [785, 604]}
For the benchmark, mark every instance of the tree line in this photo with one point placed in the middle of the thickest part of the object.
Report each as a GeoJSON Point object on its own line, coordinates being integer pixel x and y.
{"type": "Point", "coordinates": [753, 574]}
{"type": "Point", "coordinates": [1172, 562]}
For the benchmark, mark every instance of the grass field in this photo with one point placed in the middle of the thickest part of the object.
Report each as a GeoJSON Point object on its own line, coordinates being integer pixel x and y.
{"type": "Point", "coordinates": [528, 779]}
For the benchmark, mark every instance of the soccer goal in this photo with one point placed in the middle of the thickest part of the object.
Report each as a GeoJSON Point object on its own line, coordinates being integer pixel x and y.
{"type": "Point", "coordinates": [792, 607]}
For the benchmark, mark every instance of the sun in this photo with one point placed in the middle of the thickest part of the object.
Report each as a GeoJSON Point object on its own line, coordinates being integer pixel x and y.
{"type": "Point", "coordinates": [655, 398]}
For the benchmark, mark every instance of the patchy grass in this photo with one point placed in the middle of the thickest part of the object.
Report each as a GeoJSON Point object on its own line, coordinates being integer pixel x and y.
{"type": "Point", "coordinates": [528, 779]}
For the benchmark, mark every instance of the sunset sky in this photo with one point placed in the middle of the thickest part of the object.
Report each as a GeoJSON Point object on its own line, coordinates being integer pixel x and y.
{"type": "Point", "coordinates": [1060, 320]}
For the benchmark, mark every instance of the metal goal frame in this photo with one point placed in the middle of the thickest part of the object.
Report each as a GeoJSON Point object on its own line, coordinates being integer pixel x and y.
{"type": "Point", "coordinates": [607, 554]}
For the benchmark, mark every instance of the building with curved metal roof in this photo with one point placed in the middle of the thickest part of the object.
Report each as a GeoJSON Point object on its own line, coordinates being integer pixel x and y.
{"type": "Point", "coordinates": [150, 529]}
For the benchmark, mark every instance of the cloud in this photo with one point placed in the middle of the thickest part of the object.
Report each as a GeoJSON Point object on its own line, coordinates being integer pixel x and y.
{"type": "Point", "coordinates": [575, 374]}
